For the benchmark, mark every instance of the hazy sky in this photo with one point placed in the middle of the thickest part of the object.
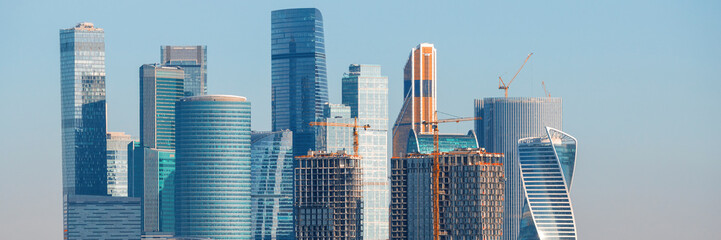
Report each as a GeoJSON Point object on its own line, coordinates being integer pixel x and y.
{"type": "Point", "coordinates": [639, 81]}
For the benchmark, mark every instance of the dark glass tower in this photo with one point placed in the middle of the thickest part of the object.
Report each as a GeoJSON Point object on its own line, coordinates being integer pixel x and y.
{"type": "Point", "coordinates": [193, 60]}
{"type": "Point", "coordinates": [82, 95]}
{"type": "Point", "coordinates": [299, 84]}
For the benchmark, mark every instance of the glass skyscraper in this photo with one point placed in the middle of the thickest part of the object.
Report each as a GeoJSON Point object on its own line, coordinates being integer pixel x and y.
{"type": "Point", "coordinates": [547, 165]}
{"type": "Point", "coordinates": [365, 91]}
{"type": "Point", "coordinates": [160, 87]}
{"type": "Point", "coordinates": [334, 138]}
{"type": "Point", "coordinates": [213, 180]}
{"type": "Point", "coordinates": [118, 163]}
{"type": "Point", "coordinates": [299, 83]}
{"type": "Point", "coordinates": [505, 121]}
{"type": "Point", "coordinates": [82, 98]}
{"type": "Point", "coordinates": [193, 60]}
{"type": "Point", "coordinates": [272, 185]}
{"type": "Point", "coordinates": [101, 217]}
{"type": "Point", "coordinates": [419, 96]}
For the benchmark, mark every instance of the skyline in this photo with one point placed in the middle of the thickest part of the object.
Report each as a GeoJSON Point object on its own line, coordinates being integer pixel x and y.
{"type": "Point", "coordinates": [638, 76]}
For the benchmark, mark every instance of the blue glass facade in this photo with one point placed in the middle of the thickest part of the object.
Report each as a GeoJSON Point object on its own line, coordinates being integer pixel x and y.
{"type": "Point", "coordinates": [334, 138]}
{"type": "Point", "coordinates": [547, 165]}
{"type": "Point", "coordinates": [365, 91]}
{"type": "Point", "coordinates": [193, 60]}
{"type": "Point", "coordinates": [212, 177]}
{"type": "Point", "coordinates": [299, 83]}
{"type": "Point", "coordinates": [423, 143]}
{"type": "Point", "coordinates": [505, 121]}
{"type": "Point", "coordinates": [82, 97]}
{"type": "Point", "coordinates": [272, 185]}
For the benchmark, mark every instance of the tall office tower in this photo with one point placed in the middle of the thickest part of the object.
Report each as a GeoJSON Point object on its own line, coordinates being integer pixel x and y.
{"type": "Point", "coordinates": [160, 88]}
{"type": "Point", "coordinates": [299, 84]}
{"type": "Point", "coordinates": [335, 138]}
{"type": "Point", "coordinates": [365, 91]}
{"type": "Point", "coordinates": [101, 217]}
{"type": "Point", "coordinates": [193, 60]}
{"type": "Point", "coordinates": [328, 201]}
{"type": "Point", "coordinates": [271, 154]}
{"type": "Point", "coordinates": [470, 195]}
{"type": "Point", "coordinates": [505, 121]}
{"type": "Point", "coordinates": [419, 91]}
{"type": "Point", "coordinates": [547, 164]}
{"type": "Point", "coordinates": [118, 163]}
{"type": "Point", "coordinates": [135, 169]}
{"type": "Point", "coordinates": [213, 188]}
{"type": "Point", "coordinates": [82, 97]}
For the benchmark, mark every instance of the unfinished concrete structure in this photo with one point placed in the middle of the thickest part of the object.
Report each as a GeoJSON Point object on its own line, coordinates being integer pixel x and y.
{"type": "Point", "coordinates": [470, 201]}
{"type": "Point", "coordinates": [327, 196]}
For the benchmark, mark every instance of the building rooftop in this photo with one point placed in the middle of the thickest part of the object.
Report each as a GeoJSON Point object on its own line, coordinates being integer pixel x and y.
{"type": "Point", "coordinates": [214, 98]}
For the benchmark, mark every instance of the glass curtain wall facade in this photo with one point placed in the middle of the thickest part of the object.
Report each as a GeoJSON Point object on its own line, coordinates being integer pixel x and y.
{"type": "Point", "coordinates": [365, 91]}
{"type": "Point", "coordinates": [505, 121]}
{"type": "Point", "coordinates": [160, 87]}
{"type": "Point", "coordinates": [419, 91]}
{"type": "Point", "coordinates": [299, 83]}
{"type": "Point", "coordinates": [547, 165]}
{"type": "Point", "coordinates": [272, 185]}
{"type": "Point", "coordinates": [117, 155]}
{"type": "Point", "coordinates": [83, 113]}
{"type": "Point", "coordinates": [423, 143]}
{"type": "Point", "coordinates": [334, 138]}
{"type": "Point", "coordinates": [213, 180]}
{"type": "Point", "coordinates": [193, 60]}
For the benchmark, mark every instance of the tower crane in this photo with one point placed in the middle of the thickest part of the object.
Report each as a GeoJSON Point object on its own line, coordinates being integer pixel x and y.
{"type": "Point", "coordinates": [354, 125]}
{"type": "Point", "coordinates": [544, 89]}
{"type": "Point", "coordinates": [437, 169]}
{"type": "Point", "coordinates": [503, 85]}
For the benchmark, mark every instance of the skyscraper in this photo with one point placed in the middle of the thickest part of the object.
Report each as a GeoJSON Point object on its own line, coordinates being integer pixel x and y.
{"type": "Point", "coordinates": [272, 185]}
{"type": "Point", "coordinates": [334, 138]}
{"type": "Point", "coordinates": [193, 60]}
{"type": "Point", "coordinates": [365, 91]}
{"type": "Point", "coordinates": [419, 91]}
{"type": "Point", "coordinates": [505, 121]}
{"type": "Point", "coordinates": [160, 88]}
{"type": "Point", "coordinates": [213, 188]}
{"type": "Point", "coordinates": [118, 163]}
{"type": "Point", "coordinates": [327, 201]}
{"type": "Point", "coordinates": [470, 195]}
{"type": "Point", "coordinates": [82, 97]}
{"type": "Point", "coordinates": [299, 84]}
{"type": "Point", "coordinates": [547, 164]}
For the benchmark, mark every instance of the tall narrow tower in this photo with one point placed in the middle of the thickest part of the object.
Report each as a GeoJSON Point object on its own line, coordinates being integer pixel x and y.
{"type": "Point", "coordinates": [82, 97]}
{"type": "Point", "coordinates": [299, 83]}
{"type": "Point", "coordinates": [419, 91]}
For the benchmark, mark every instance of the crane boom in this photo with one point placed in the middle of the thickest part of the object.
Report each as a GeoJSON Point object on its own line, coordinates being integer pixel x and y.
{"type": "Point", "coordinates": [354, 125]}
{"type": "Point", "coordinates": [544, 89]}
{"type": "Point", "coordinates": [503, 85]}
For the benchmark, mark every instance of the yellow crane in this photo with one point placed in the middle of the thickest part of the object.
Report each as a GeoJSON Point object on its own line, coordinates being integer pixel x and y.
{"type": "Point", "coordinates": [354, 125]}
{"type": "Point", "coordinates": [503, 85]}
{"type": "Point", "coordinates": [437, 169]}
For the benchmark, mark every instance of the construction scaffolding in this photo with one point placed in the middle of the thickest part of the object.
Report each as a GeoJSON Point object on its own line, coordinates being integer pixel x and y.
{"type": "Point", "coordinates": [327, 201]}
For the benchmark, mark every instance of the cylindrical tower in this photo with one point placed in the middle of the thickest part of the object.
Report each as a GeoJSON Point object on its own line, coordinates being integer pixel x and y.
{"type": "Point", "coordinates": [213, 167]}
{"type": "Point", "coordinates": [505, 121]}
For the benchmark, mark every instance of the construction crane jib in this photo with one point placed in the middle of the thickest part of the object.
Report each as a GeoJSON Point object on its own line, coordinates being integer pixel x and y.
{"type": "Point", "coordinates": [437, 169]}
{"type": "Point", "coordinates": [503, 85]}
{"type": "Point", "coordinates": [354, 125]}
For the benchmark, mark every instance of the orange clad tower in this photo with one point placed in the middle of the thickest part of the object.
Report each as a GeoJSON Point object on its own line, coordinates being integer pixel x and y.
{"type": "Point", "coordinates": [419, 91]}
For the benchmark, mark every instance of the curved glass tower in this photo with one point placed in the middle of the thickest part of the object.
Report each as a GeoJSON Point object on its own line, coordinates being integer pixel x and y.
{"type": "Point", "coordinates": [547, 165]}
{"type": "Point", "coordinates": [212, 173]}
{"type": "Point", "coordinates": [299, 83]}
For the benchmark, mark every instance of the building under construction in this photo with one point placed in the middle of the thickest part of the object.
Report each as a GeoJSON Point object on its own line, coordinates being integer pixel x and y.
{"type": "Point", "coordinates": [471, 187]}
{"type": "Point", "coordinates": [327, 201]}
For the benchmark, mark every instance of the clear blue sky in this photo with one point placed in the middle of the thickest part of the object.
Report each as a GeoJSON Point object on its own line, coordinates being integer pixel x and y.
{"type": "Point", "coordinates": [640, 82]}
